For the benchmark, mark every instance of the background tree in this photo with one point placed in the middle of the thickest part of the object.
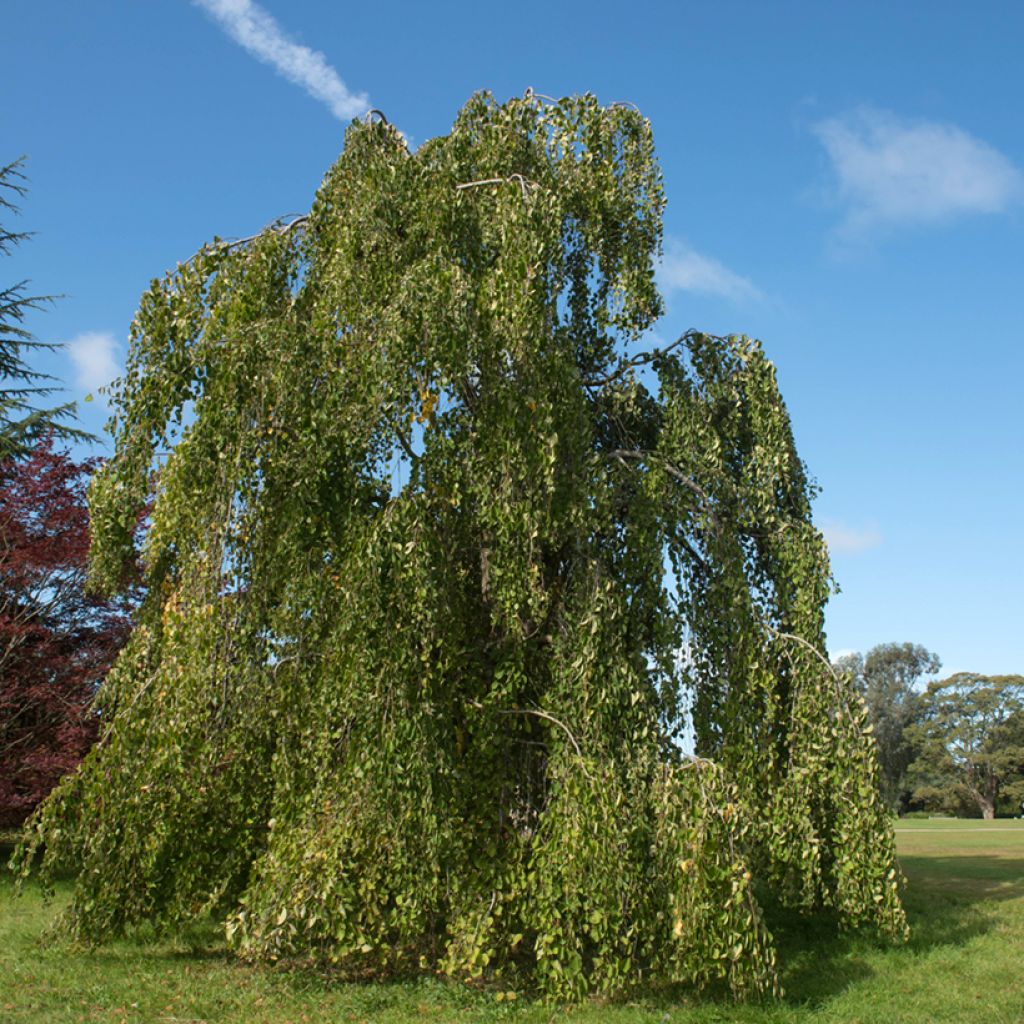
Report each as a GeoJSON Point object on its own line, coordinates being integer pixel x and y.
{"type": "Point", "coordinates": [405, 687]}
{"type": "Point", "coordinates": [56, 644]}
{"type": "Point", "coordinates": [971, 743]}
{"type": "Point", "coordinates": [887, 677]}
{"type": "Point", "coordinates": [21, 386]}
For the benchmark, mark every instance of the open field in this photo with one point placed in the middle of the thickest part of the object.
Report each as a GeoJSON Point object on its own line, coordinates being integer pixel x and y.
{"type": "Point", "coordinates": [964, 963]}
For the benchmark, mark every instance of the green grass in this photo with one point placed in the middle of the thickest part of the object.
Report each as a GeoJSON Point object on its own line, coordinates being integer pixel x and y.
{"type": "Point", "coordinates": [964, 963]}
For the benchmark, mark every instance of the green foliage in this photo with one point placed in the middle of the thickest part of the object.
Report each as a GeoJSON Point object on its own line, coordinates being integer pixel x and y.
{"type": "Point", "coordinates": [971, 743]}
{"type": "Point", "coordinates": [887, 677]}
{"type": "Point", "coordinates": [21, 387]}
{"type": "Point", "coordinates": [965, 897]}
{"type": "Point", "coordinates": [408, 672]}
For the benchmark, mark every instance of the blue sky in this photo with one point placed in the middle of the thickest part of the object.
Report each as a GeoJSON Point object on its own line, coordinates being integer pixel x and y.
{"type": "Point", "coordinates": [845, 181]}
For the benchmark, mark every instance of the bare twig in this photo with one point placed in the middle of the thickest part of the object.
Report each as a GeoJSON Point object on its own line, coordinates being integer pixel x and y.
{"type": "Point", "coordinates": [480, 921]}
{"type": "Point", "coordinates": [550, 718]}
{"type": "Point", "coordinates": [403, 441]}
{"type": "Point", "coordinates": [482, 181]}
{"type": "Point", "coordinates": [530, 94]}
{"type": "Point", "coordinates": [806, 644]}
{"type": "Point", "coordinates": [276, 228]}
{"type": "Point", "coordinates": [640, 359]}
{"type": "Point", "coordinates": [524, 183]}
{"type": "Point", "coordinates": [695, 555]}
{"type": "Point", "coordinates": [842, 693]}
{"type": "Point", "coordinates": [693, 761]}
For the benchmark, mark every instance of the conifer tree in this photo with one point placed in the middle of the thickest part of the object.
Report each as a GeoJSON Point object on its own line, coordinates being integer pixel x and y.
{"type": "Point", "coordinates": [22, 386]}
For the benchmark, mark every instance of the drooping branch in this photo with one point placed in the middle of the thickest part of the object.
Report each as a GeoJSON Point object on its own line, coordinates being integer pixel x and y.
{"type": "Point", "coordinates": [403, 440]}
{"type": "Point", "coordinates": [524, 183]}
{"type": "Point", "coordinates": [641, 455]}
{"type": "Point", "coordinates": [275, 228]}
{"type": "Point", "coordinates": [547, 716]}
{"type": "Point", "coordinates": [640, 359]}
{"type": "Point", "coordinates": [622, 454]}
{"type": "Point", "coordinates": [842, 692]}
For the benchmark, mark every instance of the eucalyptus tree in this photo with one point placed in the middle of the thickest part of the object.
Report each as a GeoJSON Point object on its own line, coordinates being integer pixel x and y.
{"type": "Point", "coordinates": [887, 677]}
{"type": "Point", "coordinates": [970, 743]}
{"type": "Point", "coordinates": [406, 688]}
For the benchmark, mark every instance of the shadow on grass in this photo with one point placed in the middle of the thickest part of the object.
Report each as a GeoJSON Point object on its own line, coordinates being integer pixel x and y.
{"type": "Point", "coordinates": [966, 878]}
{"type": "Point", "coordinates": [945, 903]}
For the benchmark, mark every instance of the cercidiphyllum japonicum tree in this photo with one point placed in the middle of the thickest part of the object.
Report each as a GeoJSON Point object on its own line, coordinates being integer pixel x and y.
{"type": "Point", "coordinates": [406, 688]}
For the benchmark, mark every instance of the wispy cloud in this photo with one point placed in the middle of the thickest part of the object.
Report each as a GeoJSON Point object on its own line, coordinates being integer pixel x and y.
{"type": "Point", "coordinates": [843, 652]}
{"type": "Point", "coordinates": [685, 269]}
{"type": "Point", "coordinates": [256, 31]}
{"type": "Point", "coordinates": [849, 540]}
{"type": "Point", "coordinates": [95, 358]}
{"type": "Point", "coordinates": [893, 171]}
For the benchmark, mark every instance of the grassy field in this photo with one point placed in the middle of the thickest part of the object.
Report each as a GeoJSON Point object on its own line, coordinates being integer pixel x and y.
{"type": "Point", "coordinates": [965, 963]}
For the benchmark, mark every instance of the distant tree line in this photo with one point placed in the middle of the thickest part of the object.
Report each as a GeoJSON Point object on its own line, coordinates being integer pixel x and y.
{"type": "Point", "coordinates": [953, 745]}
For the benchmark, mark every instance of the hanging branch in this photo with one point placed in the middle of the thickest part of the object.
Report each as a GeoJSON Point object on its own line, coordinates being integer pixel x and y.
{"type": "Point", "coordinates": [274, 228]}
{"type": "Point", "coordinates": [641, 455]}
{"type": "Point", "coordinates": [643, 359]}
{"type": "Point", "coordinates": [547, 717]}
{"type": "Point", "coordinates": [525, 184]}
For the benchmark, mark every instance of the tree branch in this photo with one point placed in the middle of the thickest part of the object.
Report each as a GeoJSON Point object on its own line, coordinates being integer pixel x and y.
{"type": "Point", "coordinates": [640, 455]}
{"type": "Point", "coordinates": [525, 184]}
{"type": "Point", "coordinates": [640, 359]}
{"type": "Point", "coordinates": [549, 718]}
{"type": "Point", "coordinates": [403, 441]}
{"type": "Point", "coordinates": [276, 228]}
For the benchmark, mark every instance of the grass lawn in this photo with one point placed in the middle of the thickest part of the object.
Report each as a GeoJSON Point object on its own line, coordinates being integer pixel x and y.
{"type": "Point", "coordinates": [964, 963]}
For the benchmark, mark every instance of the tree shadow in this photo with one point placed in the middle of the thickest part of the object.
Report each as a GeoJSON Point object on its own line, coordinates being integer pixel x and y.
{"type": "Point", "coordinates": [945, 901]}
{"type": "Point", "coordinates": [966, 878]}
{"type": "Point", "coordinates": [948, 901]}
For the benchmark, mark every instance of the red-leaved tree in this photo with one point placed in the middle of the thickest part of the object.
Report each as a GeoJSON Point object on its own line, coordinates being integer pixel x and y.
{"type": "Point", "coordinates": [56, 643]}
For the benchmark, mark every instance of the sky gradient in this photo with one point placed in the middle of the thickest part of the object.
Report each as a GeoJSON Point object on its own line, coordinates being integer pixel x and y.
{"type": "Point", "coordinates": [845, 181]}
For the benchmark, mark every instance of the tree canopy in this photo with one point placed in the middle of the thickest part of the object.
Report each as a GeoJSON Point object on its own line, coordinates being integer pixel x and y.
{"type": "Point", "coordinates": [971, 743]}
{"type": "Point", "coordinates": [886, 677]}
{"type": "Point", "coordinates": [440, 566]}
{"type": "Point", "coordinates": [56, 642]}
{"type": "Point", "coordinates": [21, 386]}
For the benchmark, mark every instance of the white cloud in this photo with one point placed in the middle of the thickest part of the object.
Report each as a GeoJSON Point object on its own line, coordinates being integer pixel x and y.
{"type": "Point", "coordinates": [894, 171]}
{"type": "Point", "coordinates": [94, 355]}
{"type": "Point", "coordinates": [849, 540]}
{"type": "Point", "coordinates": [685, 269]}
{"type": "Point", "coordinates": [256, 31]}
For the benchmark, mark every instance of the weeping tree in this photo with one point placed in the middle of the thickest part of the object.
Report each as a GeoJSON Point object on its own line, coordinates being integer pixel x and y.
{"type": "Point", "coordinates": [446, 577]}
